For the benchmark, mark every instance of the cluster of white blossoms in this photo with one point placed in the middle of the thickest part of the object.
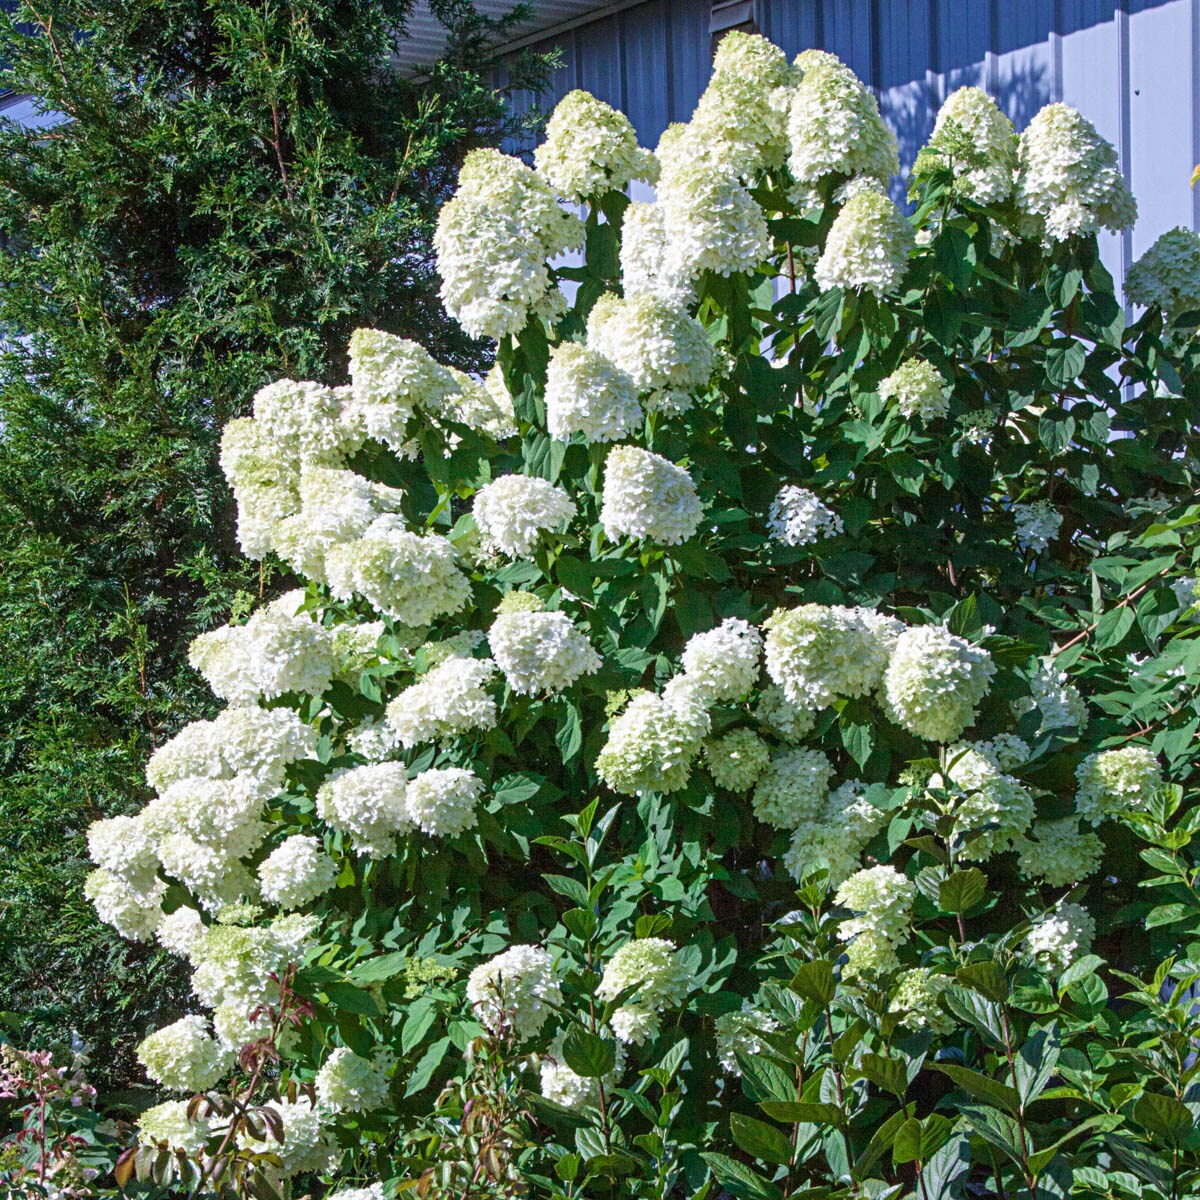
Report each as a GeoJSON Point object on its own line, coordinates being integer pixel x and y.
{"type": "Point", "coordinates": [296, 872]}
{"type": "Point", "coordinates": [778, 715]}
{"type": "Point", "coordinates": [646, 496]}
{"type": "Point", "coordinates": [934, 682]}
{"type": "Point", "coordinates": [442, 801]}
{"type": "Point", "coordinates": [1059, 853]}
{"type": "Point", "coordinates": [1052, 695]}
{"type": "Point", "coordinates": [1112, 782]}
{"type": "Point", "coordinates": [169, 1124]}
{"type": "Point", "coordinates": [516, 990]}
{"type": "Point", "coordinates": [723, 662]}
{"type": "Point", "coordinates": [835, 836]}
{"type": "Point", "coordinates": [308, 1143]}
{"type": "Point", "coordinates": [883, 900]}
{"type": "Point", "coordinates": [651, 265]}
{"type": "Point", "coordinates": [737, 760]}
{"type": "Point", "coordinates": [917, 999]}
{"type": "Point", "coordinates": [868, 246]}
{"type": "Point", "coordinates": [659, 346]}
{"type": "Point", "coordinates": [562, 1086]}
{"type": "Point", "coordinates": [373, 1191]}
{"type": "Point", "coordinates": [918, 388]}
{"type": "Point", "coordinates": [586, 393]}
{"type": "Point", "coordinates": [1168, 274]}
{"type": "Point", "coordinates": [347, 1082]}
{"type": "Point", "coordinates": [540, 652]}
{"type": "Point", "coordinates": [741, 1033]}
{"type": "Point", "coordinates": [1069, 181]}
{"type": "Point", "coordinates": [1037, 525]}
{"type": "Point", "coordinates": [798, 517]}
{"type": "Point", "coordinates": [793, 788]}
{"type": "Point", "coordinates": [590, 149]}
{"type": "Point", "coordinates": [992, 809]}
{"type": "Point", "coordinates": [370, 803]}
{"type": "Point", "coordinates": [513, 512]}
{"type": "Point", "coordinates": [978, 143]}
{"type": "Point", "coordinates": [493, 241]}
{"type": "Point", "coordinates": [449, 699]}
{"type": "Point", "coordinates": [1061, 936]}
{"type": "Point", "coordinates": [185, 1057]}
{"type": "Point", "coordinates": [661, 980]}
{"type": "Point", "coordinates": [652, 744]}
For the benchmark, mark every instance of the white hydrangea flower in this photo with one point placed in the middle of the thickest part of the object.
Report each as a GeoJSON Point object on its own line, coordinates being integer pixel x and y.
{"type": "Point", "coordinates": [587, 394]}
{"type": "Point", "coordinates": [934, 682]}
{"type": "Point", "coordinates": [836, 837]}
{"type": "Point", "coordinates": [1168, 274]}
{"type": "Point", "coordinates": [737, 760]}
{"type": "Point", "coordinates": [723, 662]}
{"type": "Point", "coordinates": [493, 241]}
{"type": "Point", "coordinates": [125, 848]}
{"type": "Point", "coordinates": [265, 483]}
{"type": "Point", "coordinates": [484, 405]}
{"type": "Point", "coordinates": [348, 1082]}
{"type": "Point", "coordinates": [226, 814]}
{"type": "Point", "coordinates": [307, 422]}
{"type": "Point", "coordinates": [650, 747]}
{"type": "Point", "coordinates": [742, 1031]}
{"type": "Point", "coordinates": [562, 1086]}
{"type": "Point", "coordinates": [296, 872]}
{"type": "Point", "coordinates": [541, 651]}
{"type": "Point", "coordinates": [798, 517]}
{"type": "Point", "coordinates": [970, 118]}
{"type": "Point", "coordinates": [1069, 183]}
{"type": "Point", "coordinates": [184, 1057]}
{"type": "Point", "coordinates": [650, 264]}
{"type": "Point", "coordinates": [1060, 853]}
{"type": "Point", "coordinates": [883, 900]}
{"type": "Point", "coordinates": [996, 809]}
{"type": "Point", "coordinates": [783, 718]}
{"type": "Point", "coordinates": [1112, 782]}
{"type": "Point", "coordinates": [1037, 525]}
{"type": "Point", "coordinates": [918, 388]}
{"type": "Point", "coordinates": [517, 990]}
{"type": "Point", "coordinates": [818, 653]}
{"type": "Point", "coordinates": [793, 788]}
{"type": "Point", "coordinates": [1061, 936]}
{"type": "Point", "coordinates": [441, 801]}
{"type": "Point", "coordinates": [591, 149]}
{"type": "Point", "coordinates": [660, 347]}
{"type": "Point", "coordinates": [834, 125]}
{"type": "Point", "coordinates": [234, 965]}
{"type": "Point", "coordinates": [370, 804]}
{"type": "Point", "coordinates": [404, 575]}
{"type": "Point", "coordinates": [1055, 697]}
{"type": "Point", "coordinates": [918, 999]}
{"type": "Point", "coordinates": [515, 510]}
{"type": "Point", "coordinates": [135, 913]}
{"type": "Point", "coordinates": [181, 932]}
{"type": "Point", "coordinates": [867, 247]}
{"type": "Point", "coordinates": [448, 700]}
{"type": "Point", "coordinates": [169, 1124]}
{"type": "Point", "coordinates": [308, 1143]}
{"type": "Point", "coordinates": [662, 982]}
{"type": "Point", "coordinates": [210, 873]}
{"type": "Point", "coordinates": [646, 496]}
{"type": "Point", "coordinates": [373, 1192]}
{"type": "Point", "coordinates": [1005, 751]}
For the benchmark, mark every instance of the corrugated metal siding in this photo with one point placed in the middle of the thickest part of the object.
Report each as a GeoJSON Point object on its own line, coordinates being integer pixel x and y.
{"type": "Point", "coordinates": [1132, 66]}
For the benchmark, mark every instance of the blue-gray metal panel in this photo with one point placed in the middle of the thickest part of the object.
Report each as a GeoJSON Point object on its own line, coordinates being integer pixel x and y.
{"type": "Point", "coordinates": [690, 61]}
{"type": "Point", "coordinates": [647, 84]}
{"type": "Point", "coordinates": [794, 27]}
{"type": "Point", "coordinates": [600, 54]}
{"type": "Point", "coordinates": [849, 35]}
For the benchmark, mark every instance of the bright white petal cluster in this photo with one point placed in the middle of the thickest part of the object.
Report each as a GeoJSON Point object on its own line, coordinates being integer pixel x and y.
{"type": "Point", "coordinates": [307, 422]}
{"type": "Point", "coordinates": [184, 1057]}
{"type": "Point", "coordinates": [347, 1082]}
{"type": "Point", "coordinates": [514, 511]}
{"type": "Point", "coordinates": [867, 247]}
{"type": "Point", "coordinates": [645, 496]}
{"type": "Point", "coordinates": [265, 484]}
{"type": "Point", "coordinates": [562, 1086]}
{"type": "Point", "coordinates": [1070, 182]}
{"type": "Point", "coordinates": [493, 241]}
{"type": "Point", "coordinates": [741, 1032]}
{"type": "Point", "coordinates": [662, 982]}
{"type": "Point", "coordinates": [661, 348]}
{"type": "Point", "coordinates": [918, 999]}
{"type": "Point", "coordinates": [446, 701]}
{"type": "Point", "coordinates": [1061, 936]}
{"type": "Point", "coordinates": [979, 144]}
{"type": "Point", "coordinates": [516, 990]}
{"type": "Point", "coordinates": [737, 760]}
{"type": "Point", "coordinates": [296, 872]}
{"type": "Point", "coordinates": [650, 747]}
{"type": "Point", "coordinates": [307, 1144]}
{"type": "Point", "coordinates": [123, 846]}
{"type": "Point", "coordinates": [541, 651]}
{"type": "Point", "coordinates": [1037, 525]}
{"type": "Point", "coordinates": [589, 395]}
{"type": "Point", "coordinates": [1055, 698]}
{"type": "Point", "coordinates": [1168, 274]}
{"type": "Point", "coordinates": [793, 788]}
{"type": "Point", "coordinates": [590, 149]}
{"type": "Point", "coordinates": [798, 517]}
{"type": "Point", "coordinates": [994, 811]}
{"type": "Point", "coordinates": [934, 682]}
{"type": "Point", "coordinates": [134, 912]}
{"type": "Point", "coordinates": [836, 837]}
{"type": "Point", "coordinates": [182, 932]}
{"type": "Point", "coordinates": [818, 653]}
{"type": "Point", "coordinates": [405, 575]}
{"type": "Point", "coordinates": [650, 264]}
{"type": "Point", "coordinates": [918, 389]}
{"type": "Point", "coordinates": [170, 1124]}
{"type": "Point", "coordinates": [370, 804]}
{"type": "Point", "coordinates": [883, 900]}
{"type": "Point", "coordinates": [723, 662]}
{"type": "Point", "coordinates": [834, 126]}
{"type": "Point", "coordinates": [1113, 782]}
{"type": "Point", "coordinates": [442, 801]}
{"type": "Point", "coordinates": [788, 722]}
{"type": "Point", "coordinates": [1059, 853]}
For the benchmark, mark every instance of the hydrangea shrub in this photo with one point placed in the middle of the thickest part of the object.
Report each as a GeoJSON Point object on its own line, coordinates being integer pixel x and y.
{"type": "Point", "coordinates": [723, 750]}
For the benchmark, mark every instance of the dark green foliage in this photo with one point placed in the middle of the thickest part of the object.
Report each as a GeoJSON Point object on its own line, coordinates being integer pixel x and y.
{"type": "Point", "coordinates": [236, 187]}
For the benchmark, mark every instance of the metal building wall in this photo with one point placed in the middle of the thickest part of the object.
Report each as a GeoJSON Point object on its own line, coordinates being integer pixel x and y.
{"type": "Point", "coordinates": [1132, 66]}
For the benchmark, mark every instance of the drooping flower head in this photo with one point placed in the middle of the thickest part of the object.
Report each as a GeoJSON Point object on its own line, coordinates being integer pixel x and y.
{"type": "Point", "coordinates": [867, 247]}
{"type": "Point", "coordinates": [1112, 782]}
{"type": "Point", "coordinates": [541, 651]}
{"type": "Point", "coordinates": [588, 394]}
{"type": "Point", "coordinates": [662, 982]}
{"type": "Point", "coordinates": [517, 989]}
{"type": "Point", "coordinates": [977, 142]}
{"type": "Point", "coordinates": [918, 389]}
{"type": "Point", "coordinates": [646, 496]}
{"type": "Point", "coordinates": [515, 510]}
{"type": "Point", "coordinates": [724, 662]}
{"type": "Point", "coordinates": [1168, 274]}
{"type": "Point", "coordinates": [799, 517]}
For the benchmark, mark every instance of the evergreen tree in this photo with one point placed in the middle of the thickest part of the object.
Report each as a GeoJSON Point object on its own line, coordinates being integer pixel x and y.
{"type": "Point", "coordinates": [231, 189]}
